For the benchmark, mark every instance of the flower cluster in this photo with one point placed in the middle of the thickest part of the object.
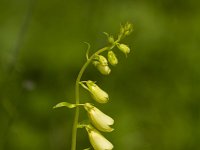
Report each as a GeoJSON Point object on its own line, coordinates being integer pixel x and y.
{"type": "Point", "coordinates": [100, 62]}
{"type": "Point", "coordinates": [99, 121]}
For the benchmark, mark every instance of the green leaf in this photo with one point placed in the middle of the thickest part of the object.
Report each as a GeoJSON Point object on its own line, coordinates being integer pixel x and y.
{"type": "Point", "coordinates": [64, 104]}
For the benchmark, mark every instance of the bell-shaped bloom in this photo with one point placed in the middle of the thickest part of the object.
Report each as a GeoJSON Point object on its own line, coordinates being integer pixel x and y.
{"type": "Point", "coordinates": [97, 93]}
{"type": "Point", "coordinates": [124, 48]}
{"type": "Point", "coordinates": [100, 120]}
{"type": "Point", "coordinates": [102, 64]}
{"type": "Point", "coordinates": [97, 140]}
{"type": "Point", "coordinates": [112, 58]}
{"type": "Point", "coordinates": [104, 69]}
{"type": "Point", "coordinates": [102, 60]}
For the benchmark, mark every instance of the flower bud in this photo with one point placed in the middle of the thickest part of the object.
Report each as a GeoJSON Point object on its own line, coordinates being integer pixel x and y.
{"type": "Point", "coordinates": [112, 58]}
{"type": "Point", "coordinates": [124, 48]}
{"type": "Point", "coordinates": [102, 64]}
{"type": "Point", "coordinates": [122, 30]}
{"type": "Point", "coordinates": [97, 140]}
{"type": "Point", "coordinates": [111, 39]}
{"type": "Point", "coordinates": [128, 27]}
{"type": "Point", "coordinates": [102, 60]}
{"type": "Point", "coordinates": [95, 63]}
{"type": "Point", "coordinates": [98, 94]}
{"type": "Point", "coordinates": [100, 120]}
{"type": "Point", "coordinates": [103, 69]}
{"type": "Point", "coordinates": [125, 30]}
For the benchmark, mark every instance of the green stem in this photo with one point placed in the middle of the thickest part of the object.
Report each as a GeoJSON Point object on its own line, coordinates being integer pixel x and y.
{"type": "Point", "coordinates": [74, 129]}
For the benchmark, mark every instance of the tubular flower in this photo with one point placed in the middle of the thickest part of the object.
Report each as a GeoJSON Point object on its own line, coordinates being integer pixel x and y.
{"type": "Point", "coordinates": [100, 120]}
{"type": "Point", "coordinates": [102, 65]}
{"type": "Point", "coordinates": [124, 48]}
{"type": "Point", "coordinates": [112, 58]}
{"type": "Point", "coordinates": [97, 140]}
{"type": "Point", "coordinates": [97, 93]}
{"type": "Point", "coordinates": [102, 60]}
{"type": "Point", "coordinates": [104, 69]}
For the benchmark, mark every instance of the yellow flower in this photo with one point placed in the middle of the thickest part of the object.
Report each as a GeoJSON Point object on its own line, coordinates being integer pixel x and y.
{"type": "Point", "coordinates": [97, 93]}
{"type": "Point", "coordinates": [102, 64]}
{"type": "Point", "coordinates": [100, 120]}
{"type": "Point", "coordinates": [102, 60]}
{"type": "Point", "coordinates": [104, 69]}
{"type": "Point", "coordinates": [112, 58]}
{"type": "Point", "coordinates": [97, 140]}
{"type": "Point", "coordinates": [124, 48]}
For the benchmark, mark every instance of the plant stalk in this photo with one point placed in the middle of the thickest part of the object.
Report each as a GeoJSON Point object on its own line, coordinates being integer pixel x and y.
{"type": "Point", "coordinates": [77, 99]}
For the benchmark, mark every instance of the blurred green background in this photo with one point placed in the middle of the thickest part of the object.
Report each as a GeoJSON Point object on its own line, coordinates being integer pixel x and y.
{"type": "Point", "coordinates": [154, 92]}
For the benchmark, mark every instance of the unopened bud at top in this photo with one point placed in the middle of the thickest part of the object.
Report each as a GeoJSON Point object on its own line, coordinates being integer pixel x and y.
{"type": "Point", "coordinates": [128, 27]}
{"type": "Point", "coordinates": [97, 93]}
{"type": "Point", "coordinates": [125, 30]}
{"type": "Point", "coordinates": [124, 48]}
{"type": "Point", "coordinates": [112, 58]}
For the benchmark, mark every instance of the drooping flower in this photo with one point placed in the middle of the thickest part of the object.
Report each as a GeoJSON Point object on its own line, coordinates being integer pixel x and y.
{"type": "Point", "coordinates": [102, 60]}
{"type": "Point", "coordinates": [100, 120]}
{"type": "Point", "coordinates": [112, 58]}
{"type": "Point", "coordinates": [102, 64]}
{"type": "Point", "coordinates": [103, 69]}
{"type": "Point", "coordinates": [97, 93]}
{"type": "Point", "coordinates": [124, 48]}
{"type": "Point", "coordinates": [97, 140]}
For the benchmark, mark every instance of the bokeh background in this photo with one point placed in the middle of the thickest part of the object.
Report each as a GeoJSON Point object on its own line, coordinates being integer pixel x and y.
{"type": "Point", "coordinates": [154, 92]}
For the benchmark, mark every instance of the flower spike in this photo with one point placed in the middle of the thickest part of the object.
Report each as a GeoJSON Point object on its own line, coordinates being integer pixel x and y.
{"type": "Point", "coordinates": [98, 121]}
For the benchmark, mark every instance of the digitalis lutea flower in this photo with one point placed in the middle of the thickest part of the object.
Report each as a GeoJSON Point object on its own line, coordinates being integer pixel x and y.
{"type": "Point", "coordinates": [100, 120]}
{"type": "Point", "coordinates": [97, 140]}
{"type": "Point", "coordinates": [124, 48]}
{"type": "Point", "coordinates": [97, 93]}
{"type": "Point", "coordinates": [102, 65]}
{"type": "Point", "coordinates": [112, 58]}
